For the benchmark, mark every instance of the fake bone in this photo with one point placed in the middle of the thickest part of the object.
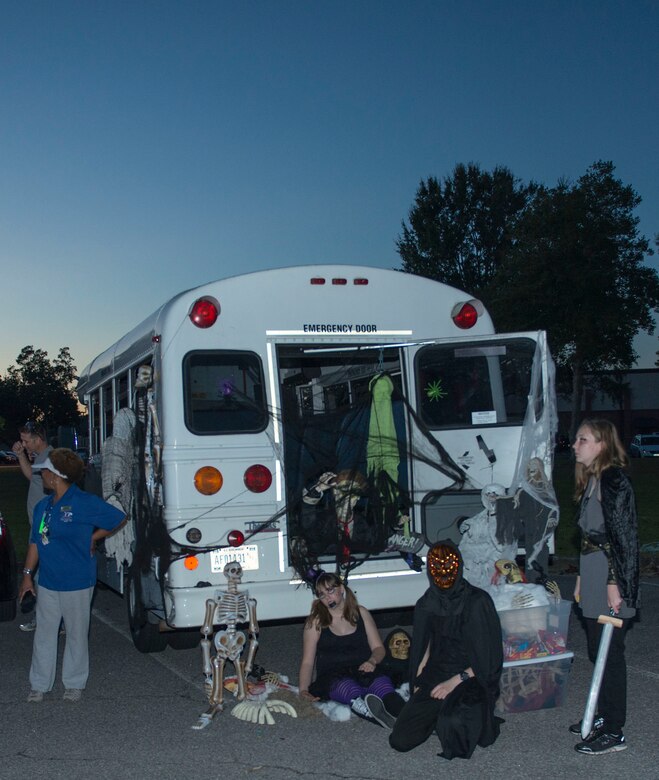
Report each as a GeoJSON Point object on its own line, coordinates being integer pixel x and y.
{"type": "Point", "coordinates": [259, 712]}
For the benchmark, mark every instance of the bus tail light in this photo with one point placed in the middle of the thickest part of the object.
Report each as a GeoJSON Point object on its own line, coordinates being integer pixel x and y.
{"type": "Point", "coordinates": [204, 312]}
{"type": "Point", "coordinates": [235, 538]}
{"type": "Point", "coordinates": [208, 480]}
{"type": "Point", "coordinates": [257, 478]}
{"type": "Point", "coordinates": [465, 314]}
{"type": "Point", "coordinates": [191, 562]}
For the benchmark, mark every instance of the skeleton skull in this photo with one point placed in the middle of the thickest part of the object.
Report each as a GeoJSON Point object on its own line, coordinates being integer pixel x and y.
{"type": "Point", "coordinates": [399, 646]}
{"type": "Point", "coordinates": [233, 571]}
{"type": "Point", "coordinates": [509, 570]}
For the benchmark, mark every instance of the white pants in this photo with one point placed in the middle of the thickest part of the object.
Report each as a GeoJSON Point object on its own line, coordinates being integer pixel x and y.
{"type": "Point", "coordinates": [53, 606]}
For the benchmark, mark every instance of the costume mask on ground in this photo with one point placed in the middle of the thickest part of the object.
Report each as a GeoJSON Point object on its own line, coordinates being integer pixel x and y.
{"type": "Point", "coordinates": [399, 646]}
{"type": "Point", "coordinates": [229, 608]}
{"type": "Point", "coordinates": [443, 565]}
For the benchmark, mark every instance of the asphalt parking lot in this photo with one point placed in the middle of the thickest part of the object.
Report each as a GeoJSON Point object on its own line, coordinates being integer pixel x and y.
{"type": "Point", "coordinates": [136, 718]}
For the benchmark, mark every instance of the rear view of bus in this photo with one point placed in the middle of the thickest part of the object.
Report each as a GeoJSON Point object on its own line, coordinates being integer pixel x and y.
{"type": "Point", "coordinates": [299, 420]}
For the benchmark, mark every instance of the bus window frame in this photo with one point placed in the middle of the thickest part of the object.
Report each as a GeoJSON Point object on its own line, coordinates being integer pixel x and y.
{"type": "Point", "coordinates": [188, 414]}
{"type": "Point", "coordinates": [463, 346]}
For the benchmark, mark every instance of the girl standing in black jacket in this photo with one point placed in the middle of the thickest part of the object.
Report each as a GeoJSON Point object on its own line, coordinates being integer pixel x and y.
{"type": "Point", "coordinates": [609, 570]}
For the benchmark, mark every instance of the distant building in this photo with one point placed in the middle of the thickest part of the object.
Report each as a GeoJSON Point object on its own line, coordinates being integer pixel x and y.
{"type": "Point", "coordinates": [631, 401]}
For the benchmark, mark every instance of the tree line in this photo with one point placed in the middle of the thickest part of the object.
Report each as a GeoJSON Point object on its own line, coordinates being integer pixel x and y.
{"type": "Point", "coordinates": [567, 259]}
{"type": "Point", "coordinates": [39, 389]}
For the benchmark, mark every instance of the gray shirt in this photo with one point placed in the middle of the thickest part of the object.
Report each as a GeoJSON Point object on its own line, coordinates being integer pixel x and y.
{"type": "Point", "coordinates": [36, 491]}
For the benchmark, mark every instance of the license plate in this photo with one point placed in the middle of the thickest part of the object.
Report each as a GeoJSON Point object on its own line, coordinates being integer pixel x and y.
{"type": "Point", "coordinates": [247, 556]}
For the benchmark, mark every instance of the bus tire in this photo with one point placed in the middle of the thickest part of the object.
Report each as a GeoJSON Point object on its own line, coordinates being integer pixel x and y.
{"type": "Point", "coordinates": [147, 637]}
{"type": "Point", "coordinates": [184, 639]}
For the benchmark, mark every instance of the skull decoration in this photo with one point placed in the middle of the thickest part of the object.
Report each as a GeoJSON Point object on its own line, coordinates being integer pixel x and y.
{"type": "Point", "coordinates": [443, 565]}
{"type": "Point", "coordinates": [399, 646]}
{"type": "Point", "coordinates": [509, 570]}
{"type": "Point", "coordinates": [233, 571]}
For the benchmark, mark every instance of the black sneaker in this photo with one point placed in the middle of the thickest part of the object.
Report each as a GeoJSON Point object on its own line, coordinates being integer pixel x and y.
{"type": "Point", "coordinates": [379, 711]}
{"type": "Point", "coordinates": [358, 706]}
{"type": "Point", "coordinates": [575, 728]}
{"type": "Point", "coordinates": [604, 743]}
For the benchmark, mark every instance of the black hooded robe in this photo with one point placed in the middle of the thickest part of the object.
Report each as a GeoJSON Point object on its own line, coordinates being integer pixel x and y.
{"type": "Point", "coordinates": [463, 630]}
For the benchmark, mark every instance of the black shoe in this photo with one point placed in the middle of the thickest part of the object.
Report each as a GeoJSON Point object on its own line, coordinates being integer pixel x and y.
{"type": "Point", "coordinates": [604, 743]}
{"type": "Point", "coordinates": [358, 706]}
{"type": "Point", "coordinates": [379, 711]}
{"type": "Point", "coordinates": [575, 728]}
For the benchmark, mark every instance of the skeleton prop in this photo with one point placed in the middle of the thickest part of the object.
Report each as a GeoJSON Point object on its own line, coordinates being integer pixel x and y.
{"type": "Point", "coordinates": [229, 608]}
{"type": "Point", "coordinates": [479, 545]}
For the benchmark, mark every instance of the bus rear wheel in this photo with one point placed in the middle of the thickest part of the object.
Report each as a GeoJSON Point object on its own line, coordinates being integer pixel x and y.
{"type": "Point", "coordinates": [147, 636]}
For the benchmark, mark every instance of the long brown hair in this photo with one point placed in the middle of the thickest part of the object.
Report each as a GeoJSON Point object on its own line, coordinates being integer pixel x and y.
{"type": "Point", "coordinates": [320, 616]}
{"type": "Point", "coordinates": [612, 454]}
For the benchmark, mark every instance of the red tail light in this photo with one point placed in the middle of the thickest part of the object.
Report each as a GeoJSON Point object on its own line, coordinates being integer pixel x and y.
{"type": "Point", "coordinates": [204, 312]}
{"type": "Point", "coordinates": [235, 538]}
{"type": "Point", "coordinates": [257, 478]}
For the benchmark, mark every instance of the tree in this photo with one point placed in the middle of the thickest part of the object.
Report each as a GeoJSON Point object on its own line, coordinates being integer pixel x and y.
{"type": "Point", "coordinates": [39, 389]}
{"type": "Point", "coordinates": [577, 270]}
{"type": "Point", "coordinates": [460, 229]}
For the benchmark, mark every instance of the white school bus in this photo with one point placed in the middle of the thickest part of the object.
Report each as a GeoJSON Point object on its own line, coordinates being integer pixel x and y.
{"type": "Point", "coordinates": [303, 419]}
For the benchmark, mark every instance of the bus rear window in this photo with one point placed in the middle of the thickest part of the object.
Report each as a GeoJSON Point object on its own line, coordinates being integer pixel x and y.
{"type": "Point", "coordinates": [474, 384]}
{"type": "Point", "coordinates": [223, 392]}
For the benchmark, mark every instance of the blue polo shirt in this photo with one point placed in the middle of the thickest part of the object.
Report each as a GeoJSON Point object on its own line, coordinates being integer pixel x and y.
{"type": "Point", "coordinates": [65, 562]}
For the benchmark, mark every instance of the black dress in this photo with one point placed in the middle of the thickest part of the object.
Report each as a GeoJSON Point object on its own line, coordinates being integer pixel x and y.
{"type": "Point", "coordinates": [340, 656]}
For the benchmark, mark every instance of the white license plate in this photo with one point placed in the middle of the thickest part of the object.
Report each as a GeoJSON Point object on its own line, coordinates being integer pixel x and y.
{"type": "Point", "coordinates": [247, 556]}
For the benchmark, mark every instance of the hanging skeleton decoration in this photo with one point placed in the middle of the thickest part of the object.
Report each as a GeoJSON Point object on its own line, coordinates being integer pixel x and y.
{"type": "Point", "coordinates": [347, 488]}
{"type": "Point", "coordinates": [230, 608]}
{"type": "Point", "coordinates": [119, 458]}
{"type": "Point", "coordinates": [479, 545]}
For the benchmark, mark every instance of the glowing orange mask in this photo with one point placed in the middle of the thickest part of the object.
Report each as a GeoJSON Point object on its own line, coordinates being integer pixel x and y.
{"type": "Point", "coordinates": [443, 565]}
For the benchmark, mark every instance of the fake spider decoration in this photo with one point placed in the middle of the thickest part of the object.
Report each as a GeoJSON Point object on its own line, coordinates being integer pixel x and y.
{"type": "Point", "coordinates": [435, 391]}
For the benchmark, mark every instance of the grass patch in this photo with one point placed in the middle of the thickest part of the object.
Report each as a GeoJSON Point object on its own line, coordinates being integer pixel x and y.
{"type": "Point", "coordinates": [644, 473]}
{"type": "Point", "coordinates": [13, 505]}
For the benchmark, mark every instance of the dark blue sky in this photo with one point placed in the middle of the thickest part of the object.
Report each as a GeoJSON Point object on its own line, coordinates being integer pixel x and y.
{"type": "Point", "coordinates": [150, 146]}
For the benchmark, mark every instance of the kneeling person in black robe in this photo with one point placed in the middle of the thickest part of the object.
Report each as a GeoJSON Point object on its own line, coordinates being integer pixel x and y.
{"type": "Point", "coordinates": [456, 663]}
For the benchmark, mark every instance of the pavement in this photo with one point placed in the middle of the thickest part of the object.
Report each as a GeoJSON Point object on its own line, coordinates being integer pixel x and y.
{"type": "Point", "coordinates": [136, 716]}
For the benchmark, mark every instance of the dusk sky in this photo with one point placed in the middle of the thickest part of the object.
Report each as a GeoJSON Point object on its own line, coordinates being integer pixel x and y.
{"type": "Point", "coordinates": [149, 146]}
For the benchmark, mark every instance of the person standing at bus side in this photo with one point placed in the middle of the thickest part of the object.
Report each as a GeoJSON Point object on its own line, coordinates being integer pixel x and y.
{"type": "Point", "coordinates": [31, 448]}
{"type": "Point", "coordinates": [608, 570]}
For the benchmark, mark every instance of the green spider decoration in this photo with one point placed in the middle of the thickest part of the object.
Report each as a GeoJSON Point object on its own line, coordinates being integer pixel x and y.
{"type": "Point", "coordinates": [435, 391]}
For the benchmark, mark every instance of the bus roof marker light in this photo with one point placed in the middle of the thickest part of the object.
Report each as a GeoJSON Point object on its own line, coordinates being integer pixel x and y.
{"type": "Point", "coordinates": [339, 280]}
{"type": "Point", "coordinates": [360, 281]}
{"type": "Point", "coordinates": [465, 314]}
{"type": "Point", "coordinates": [317, 280]}
{"type": "Point", "coordinates": [204, 312]}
